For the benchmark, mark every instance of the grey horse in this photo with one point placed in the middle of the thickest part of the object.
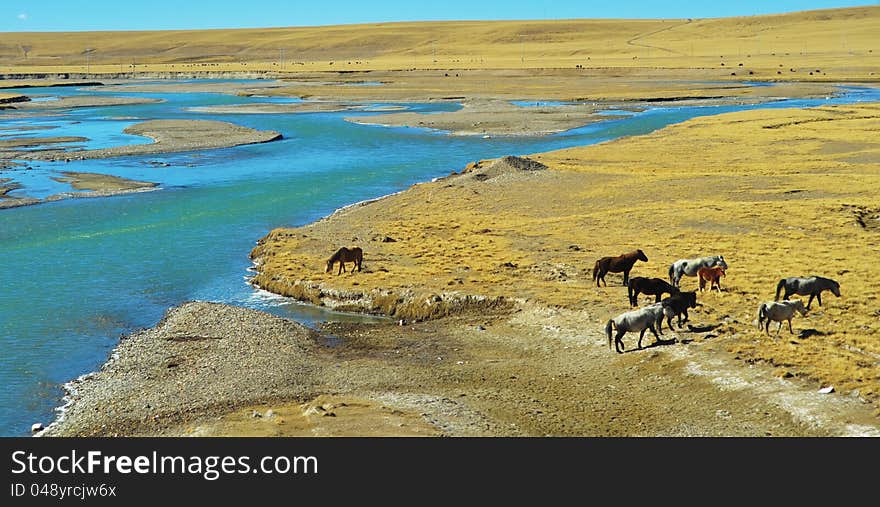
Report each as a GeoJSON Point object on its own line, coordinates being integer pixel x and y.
{"type": "Point", "coordinates": [649, 317]}
{"type": "Point", "coordinates": [779, 312]}
{"type": "Point", "coordinates": [810, 286]}
{"type": "Point", "coordinates": [690, 267]}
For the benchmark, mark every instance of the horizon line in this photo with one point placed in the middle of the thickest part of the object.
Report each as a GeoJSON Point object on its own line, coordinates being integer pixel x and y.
{"type": "Point", "coordinates": [533, 20]}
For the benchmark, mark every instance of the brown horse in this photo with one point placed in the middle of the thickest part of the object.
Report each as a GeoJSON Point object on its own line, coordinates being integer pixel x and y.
{"type": "Point", "coordinates": [650, 286]}
{"type": "Point", "coordinates": [617, 264]}
{"type": "Point", "coordinates": [712, 275]}
{"type": "Point", "coordinates": [343, 255]}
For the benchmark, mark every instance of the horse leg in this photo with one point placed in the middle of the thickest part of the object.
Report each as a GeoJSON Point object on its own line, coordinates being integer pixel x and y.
{"type": "Point", "coordinates": [790, 330]}
{"type": "Point", "coordinates": [810, 300]}
{"type": "Point", "coordinates": [618, 341]}
{"type": "Point", "coordinates": [656, 336]}
{"type": "Point", "coordinates": [641, 335]}
{"type": "Point", "coordinates": [818, 298]}
{"type": "Point", "coordinates": [626, 277]}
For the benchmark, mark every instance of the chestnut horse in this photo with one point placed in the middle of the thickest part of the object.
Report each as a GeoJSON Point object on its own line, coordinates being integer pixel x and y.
{"type": "Point", "coordinates": [343, 255]}
{"type": "Point", "coordinates": [621, 263]}
{"type": "Point", "coordinates": [617, 264]}
{"type": "Point", "coordinates": [712, 275]}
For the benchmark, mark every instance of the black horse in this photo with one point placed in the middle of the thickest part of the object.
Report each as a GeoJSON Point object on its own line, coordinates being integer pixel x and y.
{"type": "Point", "coordinates": [677, 305]}
{"type": "Point", "coordinates": [650, 286]}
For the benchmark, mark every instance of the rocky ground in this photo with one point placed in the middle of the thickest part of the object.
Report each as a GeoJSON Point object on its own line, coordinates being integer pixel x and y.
{"type": "Point", "coordinates": [211, 369]}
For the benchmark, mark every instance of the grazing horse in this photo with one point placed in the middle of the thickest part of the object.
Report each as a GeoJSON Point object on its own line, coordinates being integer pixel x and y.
{"type": "Point", "coordinates": [649, 317]}
{"type": "Point", "coordinates": [677, 305]}
{"type": "Point", "coordinates": [689, 267]}
{"type": "Point", "coordinates": [623, 262]}
{"type": "Point", "coordinates": [650, 286]}
{"type": "Point", "coordinates": [778, 312]}
{"type": "Point", "coordinates": [712, 275]}
{"type": "Point", "coordinates": [343, 255]}
{"type": "Point", "coordinates": [812, 286]}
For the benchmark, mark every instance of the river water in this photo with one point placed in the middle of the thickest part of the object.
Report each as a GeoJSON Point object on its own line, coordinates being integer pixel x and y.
{"type": "Point", "coordinates": [79, 273]}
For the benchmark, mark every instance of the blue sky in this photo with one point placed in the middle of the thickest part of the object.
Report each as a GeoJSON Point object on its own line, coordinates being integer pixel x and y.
{"type": "Point", "coordinates": [76, 15]}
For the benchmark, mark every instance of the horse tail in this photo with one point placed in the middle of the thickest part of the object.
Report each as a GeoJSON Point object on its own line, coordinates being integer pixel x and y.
{"type": "Point", "coordinates": [608, 328]}
{"type": "Point", "coordinates": [779, 287]}
{"type": "Point", "coordinates": [762, 313]}
{"type": "Point", "coordinates": [671, 269]}
{"type": "Point", "coordinates": [595, 270]}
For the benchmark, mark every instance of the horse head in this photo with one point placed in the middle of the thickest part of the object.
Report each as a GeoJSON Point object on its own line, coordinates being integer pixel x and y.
{"type": "Point", "coordinates": [799, 306]}
{"type": "Point", "coordinates": [640, 255]}
{"type": "Point", "coordinates": [835, 288]}
{"type": "Point", "coordinates": [690, 298]}
{"type": "Point", "coordinates": [719, 261]}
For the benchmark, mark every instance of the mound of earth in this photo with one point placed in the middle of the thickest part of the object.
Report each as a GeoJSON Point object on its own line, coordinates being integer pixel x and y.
{"type": "Point", "coordinates": [487, 169]}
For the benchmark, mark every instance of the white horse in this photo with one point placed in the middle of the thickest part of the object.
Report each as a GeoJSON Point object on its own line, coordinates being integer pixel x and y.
{"type": "Point", "coordinates": [783, 310]}
{"type": "Point", "coordinates": [649, 317]}
{"type": "Point", "coordinates": [690, 267]}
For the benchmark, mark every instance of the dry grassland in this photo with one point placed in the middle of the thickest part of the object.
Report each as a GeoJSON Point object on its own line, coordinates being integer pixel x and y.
{"type": "Point", "coordinates": [839, 44]}
{"type": "Point", "coordinates": [777, 192]}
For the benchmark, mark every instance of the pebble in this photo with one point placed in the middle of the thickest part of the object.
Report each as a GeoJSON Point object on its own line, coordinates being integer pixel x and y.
{"type": "Point", "coordinates": [37, 427]}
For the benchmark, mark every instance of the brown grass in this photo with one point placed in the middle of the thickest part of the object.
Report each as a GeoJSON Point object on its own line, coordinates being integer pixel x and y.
{"type": "Point", "coordinates": [777, 192]}
{"type": "Point", "coordinates": [832, 44]}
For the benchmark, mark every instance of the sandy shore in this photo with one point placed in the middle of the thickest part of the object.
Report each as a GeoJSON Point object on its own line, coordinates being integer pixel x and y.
{"type": "Point", "coordinates": [31, 142]}
{"type": "Point", "coordinates": [81, 101]}
{"type": "Point", "coordinates": [88, 184]}
{"type": "Point", "coordinates": [270, 108]}
{"type": "Point", "coordinates": [210, 369]}
{"type": "Point", "coordinates": [168, 135]}
{"type": "Point", "coordinates": [102, 182]}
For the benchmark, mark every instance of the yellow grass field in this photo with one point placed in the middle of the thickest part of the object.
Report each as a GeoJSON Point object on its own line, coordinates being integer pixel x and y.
{"type": "Point", "coordinates": [778, 192]}
{"type": "Point", "coordinates": [840, 44]}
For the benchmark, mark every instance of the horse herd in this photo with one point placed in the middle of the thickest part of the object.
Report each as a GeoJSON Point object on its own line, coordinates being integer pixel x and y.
{"type": "Point", "coordinates": [708, 269]}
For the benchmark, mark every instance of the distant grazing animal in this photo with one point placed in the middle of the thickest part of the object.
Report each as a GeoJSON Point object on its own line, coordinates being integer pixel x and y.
{"type": "Point", "coordinates": [812, 286]}
{"type": "Point", "coordinates": [343, 255]}
{"type": "Point", "coordinates": [783, 310]}
{"type": "Point", "coordinates": [649, 317]}
{"type": "Point", "coordinates": [677, 305]}
{"type": "Point", "coordinates": [689, 267]}
{"type": "Point", "coordinates": [650, 286]}
{"type": "Point", "coordinates": [712, 275]}
{"type": "Point", "coordinates": [623, 262]}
